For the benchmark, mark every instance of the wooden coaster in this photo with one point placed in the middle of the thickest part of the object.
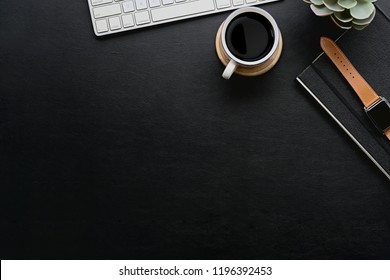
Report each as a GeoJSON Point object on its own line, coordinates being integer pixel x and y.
{"type": "Point", "coordinates": [247, 70]}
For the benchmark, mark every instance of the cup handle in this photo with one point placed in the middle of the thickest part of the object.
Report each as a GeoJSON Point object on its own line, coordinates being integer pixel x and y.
{"type": "Point", "coordinates": [229, 70]}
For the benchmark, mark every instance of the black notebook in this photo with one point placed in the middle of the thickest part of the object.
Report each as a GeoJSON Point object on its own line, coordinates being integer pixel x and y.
{"type": "Point", "coordinates": [369, 52]}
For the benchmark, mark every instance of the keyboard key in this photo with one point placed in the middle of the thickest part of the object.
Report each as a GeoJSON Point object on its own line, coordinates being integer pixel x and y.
{"type": "Point", "coordinates": [100, 2]}
{"type": "Point", "coordinates": [101, 26]}
{"type": "Point", "coordinates": [223, 4]}
{"type": "Point", "coordinates": [128, 20]}
{"type": "Point", "coordinates": [142, 18]}
{"type": "Point", "coordinates": [186, 9]}
{"type": "Point", "coordinates": [115, 23]}
{"type": "Point", "coordinates": [238, 2]}
{"type": "Point", "coordinates": [154, 3]}
{"type": "Point", "coordinates": [128, 6]}
{"type": "Point", "coordinates": [167, 2]}
{"type": "Point", "coordinates": [141, 4]}
{"type": "Point", "coordinates": [107, 11]}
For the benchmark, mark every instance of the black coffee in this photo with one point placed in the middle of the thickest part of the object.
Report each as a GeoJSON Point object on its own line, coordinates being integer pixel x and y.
{"type": "Point", "coordinates": [250, 36]}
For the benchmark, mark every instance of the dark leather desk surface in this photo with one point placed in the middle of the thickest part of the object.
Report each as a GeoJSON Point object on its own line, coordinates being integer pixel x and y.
{"type": "Point", "coordinates": [134, 147]}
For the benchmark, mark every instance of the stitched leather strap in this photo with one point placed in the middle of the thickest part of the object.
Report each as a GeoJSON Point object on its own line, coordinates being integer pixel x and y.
{"type": "Point", "coordinates": [365, 92]}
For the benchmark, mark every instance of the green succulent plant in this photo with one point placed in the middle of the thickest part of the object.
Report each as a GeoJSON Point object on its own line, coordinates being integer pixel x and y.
{"type": "Point", "coordinates": [345, 13]}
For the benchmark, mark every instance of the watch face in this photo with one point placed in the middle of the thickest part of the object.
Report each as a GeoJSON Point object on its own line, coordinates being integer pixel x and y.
{"type": "Point", "coordinates": [380, 115]}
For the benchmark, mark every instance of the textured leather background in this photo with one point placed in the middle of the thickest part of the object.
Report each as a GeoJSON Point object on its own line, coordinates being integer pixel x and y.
{"type": "Point", "coordinates": [133, 146]}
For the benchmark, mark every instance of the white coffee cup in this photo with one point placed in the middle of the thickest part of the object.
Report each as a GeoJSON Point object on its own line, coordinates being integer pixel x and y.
{"type": "Point", "coordinates": [249, 31]}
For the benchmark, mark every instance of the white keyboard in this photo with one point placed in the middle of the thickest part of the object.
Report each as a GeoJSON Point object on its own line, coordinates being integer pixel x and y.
{"type": "Point", "coordinates": [113, 16]}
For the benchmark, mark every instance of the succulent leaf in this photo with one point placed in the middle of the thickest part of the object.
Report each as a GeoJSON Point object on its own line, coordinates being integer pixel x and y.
{"type": "Point", "coordinates": [321, 10]}
{"type": "Point", "coordinates": [347, 4]}
{"type": "Point", "coordinates": [364, 21]}
{"type": "Point", "coordinates": [343, 25]}
{"type": "Point", "coordinates": [363, 10]}
{"type": "Point", "coordinates": [343, 16]}
{"type": "Point", "coordinates": [333, 5]}
{"type": "Point", "coordinates": [359, 27]}
{"type": "Point", "coordinates": [317, 2]}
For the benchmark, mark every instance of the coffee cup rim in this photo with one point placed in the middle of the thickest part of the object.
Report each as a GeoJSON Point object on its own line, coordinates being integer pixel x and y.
{"type": "Point", "coordinates": [253, 10]}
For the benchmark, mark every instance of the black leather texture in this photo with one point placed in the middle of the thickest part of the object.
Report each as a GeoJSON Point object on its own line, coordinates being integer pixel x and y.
{"type": "Point", "coordinates": [134, 147]}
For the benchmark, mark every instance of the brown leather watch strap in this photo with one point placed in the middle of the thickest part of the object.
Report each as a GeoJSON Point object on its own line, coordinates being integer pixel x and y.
{"type": "Point", "coordinates": [365, 92]}
{"type": "Point", "coordinates": [387, 133]}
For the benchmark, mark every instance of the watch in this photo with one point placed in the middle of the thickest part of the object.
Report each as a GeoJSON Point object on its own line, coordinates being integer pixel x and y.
{"type": "Point", "coordinates": [376, 107]}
